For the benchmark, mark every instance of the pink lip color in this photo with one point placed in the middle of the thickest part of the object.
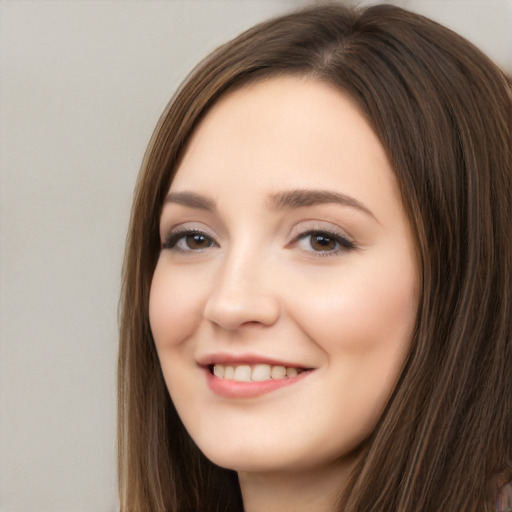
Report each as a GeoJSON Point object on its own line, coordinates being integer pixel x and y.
{"type": "Point", "coordinates": [228, 388]}
{"type": "Point", "coordinates": [238, 359]}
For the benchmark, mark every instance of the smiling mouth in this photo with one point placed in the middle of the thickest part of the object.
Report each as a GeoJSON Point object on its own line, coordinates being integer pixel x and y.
{"type": "Point", "coordinates": [243, 378]}
{"type": "Point", "coordinates": [254, 373]}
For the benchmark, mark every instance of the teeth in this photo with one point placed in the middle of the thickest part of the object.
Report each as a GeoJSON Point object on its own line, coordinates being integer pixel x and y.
{"type": "Point", "coordinates": [242, 373]}
{"type": "Point", "coordinates": [278, 372]}
{"type": "Point", "coordinates": [229, 372]}
{"type": "Point", "coordinates": [291, 372]}
{"type": "Point", "coordinates": [260, 372]}
{"type": "Point", "coordinates": [257, 372]}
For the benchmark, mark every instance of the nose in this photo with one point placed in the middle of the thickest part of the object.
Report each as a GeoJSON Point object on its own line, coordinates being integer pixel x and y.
{"type": "Point", "coordinates": [243, 293]}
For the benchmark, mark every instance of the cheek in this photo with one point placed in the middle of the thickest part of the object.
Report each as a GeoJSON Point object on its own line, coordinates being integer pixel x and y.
{"type": "Point", "coordinates": [174, 305]}
{"type": "Point", "coordinates": [360, 310]}
{"type": "Point", "coordinates": [364, 327]}
{"type": "Point", "coordinates": [363, 321]}
{"type": "Point", "coordinates": [174, 312]}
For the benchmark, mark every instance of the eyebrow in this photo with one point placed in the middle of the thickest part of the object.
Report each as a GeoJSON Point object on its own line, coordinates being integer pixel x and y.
{"type": "Point", "coordinates": [191, 199]}
{"type": "Point", "coordinates": [286, 200]}
{"type": "Point", "coordinates": [302, 198]}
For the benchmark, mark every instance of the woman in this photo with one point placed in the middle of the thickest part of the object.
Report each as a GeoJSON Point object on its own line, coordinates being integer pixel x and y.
{"type": "Point", "coordinates": [317, 293]}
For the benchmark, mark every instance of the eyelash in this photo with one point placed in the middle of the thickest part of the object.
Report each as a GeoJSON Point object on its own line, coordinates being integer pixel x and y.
{"type": "Point", "coordinates": [343, 243]}
{"type": "Point", "coordinates": [175, 237]}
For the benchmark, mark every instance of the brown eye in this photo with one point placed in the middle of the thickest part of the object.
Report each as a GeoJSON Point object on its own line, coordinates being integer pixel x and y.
{"type": "Point", "coordinates": [323, 243]}
{"type": "Point", "coordinates": [197, 241]}
{"type": "Point", "coordinates": [188, 241]}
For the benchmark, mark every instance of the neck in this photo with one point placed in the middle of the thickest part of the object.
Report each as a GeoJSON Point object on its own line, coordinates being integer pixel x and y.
{"type": "Point", "coordinates": [317, 490]}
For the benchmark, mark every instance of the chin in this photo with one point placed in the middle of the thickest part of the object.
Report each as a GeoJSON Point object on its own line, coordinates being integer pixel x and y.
{"type": "Point", "coordinates": [275, 458]}
{"type": "Point", "coordinates": [243, 458]}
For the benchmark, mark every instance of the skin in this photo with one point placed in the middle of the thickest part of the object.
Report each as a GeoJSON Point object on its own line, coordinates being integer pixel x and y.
{"type": "Point", "coordinates": [258, 284]}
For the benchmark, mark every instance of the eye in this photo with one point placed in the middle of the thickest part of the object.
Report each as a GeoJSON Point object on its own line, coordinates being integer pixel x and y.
{"type": "Point", "coordinates": [188, 241]}
{"type": "Point", "coordinates": [324, 242]}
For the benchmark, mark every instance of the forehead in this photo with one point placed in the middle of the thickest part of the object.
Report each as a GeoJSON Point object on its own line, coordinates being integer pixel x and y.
{"type": "Point", "coordinates": [284, 132]}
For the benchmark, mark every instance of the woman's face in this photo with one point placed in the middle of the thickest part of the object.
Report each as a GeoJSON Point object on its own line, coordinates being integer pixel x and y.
{"type": "Point", "coordinates": [284, 298]}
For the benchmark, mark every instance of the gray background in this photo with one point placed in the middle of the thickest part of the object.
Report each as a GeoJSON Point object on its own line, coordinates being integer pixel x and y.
{"type": "Point", "coordinates": [82, 85]}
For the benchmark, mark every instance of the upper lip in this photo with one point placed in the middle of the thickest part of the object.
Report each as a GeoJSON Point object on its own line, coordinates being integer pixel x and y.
{"type": "Point", "coordinates": [248, 359]}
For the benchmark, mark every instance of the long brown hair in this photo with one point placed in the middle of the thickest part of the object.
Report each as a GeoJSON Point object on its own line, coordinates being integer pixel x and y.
{"type": "Point", "coordinates": [443, 113]}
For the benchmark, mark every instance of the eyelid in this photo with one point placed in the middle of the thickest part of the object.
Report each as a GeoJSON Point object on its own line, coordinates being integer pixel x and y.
{"type": "Point", "coordinates": [313, 226]}
{"type": "Point", "coordinates": [175, 233]}
{"type": "Point", "coordinates": [303, 230]}
{"type": "Point", "coordinates": [344, 244]}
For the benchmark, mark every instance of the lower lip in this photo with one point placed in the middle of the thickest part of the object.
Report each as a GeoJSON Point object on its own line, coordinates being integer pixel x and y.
{"type": "Point", "coordinates": [228, 388]}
